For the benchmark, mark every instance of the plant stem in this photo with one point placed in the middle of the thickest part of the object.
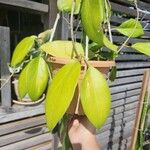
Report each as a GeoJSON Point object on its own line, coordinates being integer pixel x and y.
{"type": "Point", "coordinates": [108, 22]}
{"type": "Point", "coordinates": [6, 81]}
{"type": "Point", "coordinates": [71, 28]}
{"type": "Point", "coordinates": [54, 27]}
{"type": "Point", "coordinates": [87, 48]}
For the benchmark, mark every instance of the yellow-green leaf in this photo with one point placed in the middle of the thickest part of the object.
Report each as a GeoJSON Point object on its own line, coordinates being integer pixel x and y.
{"type": "Point", "coordinates": [62, 48]}
{"type": "Point", "coordinates": [95, 97]}
{"type": "Point", "coordinates": [131, 28]}
{"type": "Point", "coordinates": [37, 77]}
{"type": "Point", "coordinates": [66, 5]}
{"type": "Point", "coordinates": [60, 92]}
{"type": "Point", "coordinates": [142, 47]}
{"type": "Point", "coordinates": [109, 45]}
{"type": "Point", "coordinates": [22, 83]}
{"type": "Point", "coordinates": [22, 50]}
{"type": "Point", "coordinates": [93, 14]}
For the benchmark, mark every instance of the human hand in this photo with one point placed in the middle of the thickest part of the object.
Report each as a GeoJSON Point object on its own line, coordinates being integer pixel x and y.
{"type": "Point", "coordinates": [82, 134]}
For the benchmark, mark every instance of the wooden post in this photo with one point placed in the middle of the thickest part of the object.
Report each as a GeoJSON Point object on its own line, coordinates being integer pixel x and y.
{"type": "Point", "coordinates": [145, 88]}
{"type": "Point", "coordinates": [4, 60]}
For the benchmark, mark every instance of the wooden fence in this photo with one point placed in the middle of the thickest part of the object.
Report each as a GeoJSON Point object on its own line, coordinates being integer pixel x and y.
{"type": "Point", "coordinates": [24, 127]}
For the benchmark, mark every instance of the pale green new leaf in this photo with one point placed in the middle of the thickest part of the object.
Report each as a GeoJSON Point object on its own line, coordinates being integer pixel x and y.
{"type": "Point", "coordinates": [22, 83]}
{"type": "Point", "coordinates": [37, 77]}
{"type": "Point", "coordinates": [109, 45]}
{"type": "Point", "coordinates": [62, 48]}
{"type": "Point", "coordinates": [131, 28]}
{"type": "Point", "coordinates": [60, 92]}
{"type": "Point", "coordinates": [66, 5]}
{"type": "Point", "coordinates": [22, 50]}
{"type": "Point", "coordinates": [95, 97]}
{"type": "Point", "coordinates": [44, 36]}
{"type": "Point", "coordinates": [142, 47]}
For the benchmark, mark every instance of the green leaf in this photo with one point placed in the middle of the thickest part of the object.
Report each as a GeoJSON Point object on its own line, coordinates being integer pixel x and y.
{"type": "Point", "coordinates": [113, 74]}
{"type": "Point", "coordinates": [131, 28]}
{"type": "Point", "coordinates": [60, 92]}
{"type": "Point", "coordinates": [62, 48]}
{"type": "Point", "coordinates": [92, 16]}
{"type": "Point", "coordinates": [22, 82]}
{"type": "Point", "coordinates": [95, 97]}
{"type": "Point", "coordinates": [142, 47]}
{"type": "Point", "coordinates": [109, 45]}
{"type": "Point", "coordinates": [66, 5]}
{"type": "Point", "coordinates": [44, 36]}
{"type": "Point", "coordinates": [37, 77]}
{"type": "Point", "coordinates": [22, 50]}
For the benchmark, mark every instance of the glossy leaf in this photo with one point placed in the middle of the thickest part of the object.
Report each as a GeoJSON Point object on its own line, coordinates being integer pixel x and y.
{"type": "Point", "coordinates": [142, 47]}
{"type": "Point", "coordinates": [131, 28]}
{"type": "Point", "coordinates": [22, 83]}
{"type": "Point", "coordinates": [60, 92]}
{"type": "Point", "coordinates": [62, 48]}
{"type": "Point", "coordinates": [37, 77]}
{"type": "Point", "coordinates": [22, 50]}
{"type": "Point", "coordinates": [66, 5]}
{"type": "Point", "coordinates": [109, 45]}
{"type": "Point", "coordinates": [95, 97]}
{"type": "Point", "coordinates": [92, 21]}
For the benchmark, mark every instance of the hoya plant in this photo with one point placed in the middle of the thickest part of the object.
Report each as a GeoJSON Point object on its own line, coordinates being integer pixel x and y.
{"type": "Point", "coordinates": [33, 59]}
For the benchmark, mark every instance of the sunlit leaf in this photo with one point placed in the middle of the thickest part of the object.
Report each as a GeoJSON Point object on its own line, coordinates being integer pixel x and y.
{"type": "Point", "coordinates": [109, 45]}
{"type": "Point", "coordinates": [37, 77]}
{"type": "Point", "coordinates": [62, 48]}
{"type": "Point", "coordinates": [131, 28]}
{"type": "Point", "coordinates": [95, 97]}
{"type": "Point", "coordinates": [22, 83]}
{"type": "Point", "coordinates": [93, 14]}
{"type": "Point", "coordinates": [142, 47]}
{"type": "Point", "coordinates": [22, 50]}
{"type": "Point", "coordinates": [60, 92]}
{"type": "Point", "coordinates": [66, 5]}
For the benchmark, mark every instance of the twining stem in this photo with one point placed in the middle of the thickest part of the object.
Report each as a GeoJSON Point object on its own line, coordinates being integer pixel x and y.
{"type": "Point", "coordinates": [108, 22]}
{"type": "Point", "coordinates": [6, 81]}
{"type": "Point", "coordinates": [71, 28]}
{"type": "Point", "coordinates": [54, 27]}
{"type": "Point", "coordinates": [137, 18]}
{"type": "Point", "coordinates": [87, 48]}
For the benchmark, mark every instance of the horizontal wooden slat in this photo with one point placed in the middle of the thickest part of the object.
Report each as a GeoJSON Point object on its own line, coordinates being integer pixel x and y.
{"type": "Point", "coordinates": [43, 146]}
{"type": "Point", "coordinates": [121, 39]}
{"type": "Point", "coordinates": [132, 57]}
{"type": "Point", "coordinates": [22, 135]}
{"type": "Point", "coordinates": [132, 72]}
{"type": "Point", "coordinates": [126, 80]}
{"type": "Point", "coordinates": [21, 113]}
{"type": "Point", "coordinates": [127, 10]}
{"type": "Point", "coordinates": [124, 101]}
{"type": "Point", "coordinates": [141, 4]}
{"type": "Point", "coordinates": [129, 65]}
{"type": "Point", "coordinates": [115, 124]}
{"type": "Point", "coordinates": [26, 4]}
{"type": "Point", "coordinates": [28, 142]}
{"type": "Point", "coordinates": [126, 87]}
{"type": "Point", "coordinates": [21, 125]}
{"type": "Point", "coordinates": [114, 135]}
